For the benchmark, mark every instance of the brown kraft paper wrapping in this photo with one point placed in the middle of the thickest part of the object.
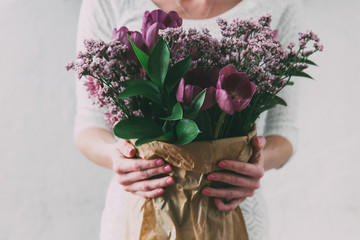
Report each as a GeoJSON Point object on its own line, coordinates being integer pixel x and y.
{"type": "Point", "coordinates": [183, 212]}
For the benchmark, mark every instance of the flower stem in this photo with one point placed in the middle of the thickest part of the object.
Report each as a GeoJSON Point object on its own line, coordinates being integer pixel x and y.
{"type": "Point", "coordinates": [219, 124]}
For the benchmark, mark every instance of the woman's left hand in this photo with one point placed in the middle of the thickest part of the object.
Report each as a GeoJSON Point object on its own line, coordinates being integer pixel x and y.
{"type": "Point", "coordinates": [244, 178]}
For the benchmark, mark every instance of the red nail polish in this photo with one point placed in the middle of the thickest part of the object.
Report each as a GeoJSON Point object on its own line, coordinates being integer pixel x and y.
{"type": "Point", "coordinates": [131, 151]}
{"type": "Point", "coordinates": [206, 191]}
{"type": "Point", "coordinates": [211, 177]}
{"type": "Point", "coordinates": [160, 162]}
{"type": "Point", "coordinates": [169, 181]}
{"type": "Point", "coordinates": [167, 168]}
{"type": "Point", "coordinates": [221, 164]}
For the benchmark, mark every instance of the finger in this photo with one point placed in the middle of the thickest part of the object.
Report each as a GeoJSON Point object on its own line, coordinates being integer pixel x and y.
{"type": "Point", "coordinates": [150, 194]}
{"type": "Point", "coordinates": [258, 146]}
{"type": "Point", "coordinates": [247, 169]}
{"type": "Point", "coordinates": [226, 207]}
{"type": "Point", "coordinates": [258, 143]}
{"type": "Point", "coordinates": [132, 177]}
{"type": "Point", "coordinates": [235, 180]}
{"type": "Point", "coordinates": [233, 192]}
{"type": "Point", "coordinates": [126, 148]}
{"type": "Point", "coordinates": [126, 165]}
{"type": "Point", "coordinates": [149, 185]}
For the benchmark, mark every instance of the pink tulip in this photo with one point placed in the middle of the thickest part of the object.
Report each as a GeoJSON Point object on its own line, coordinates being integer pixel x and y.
{"type": "Point", "coordinates": [234, 90]}
{"type": "Point", "coordinates": [155, 20]}
{"type": "Point", "coordinates": [195, 81]}
{"type": "Point", "coordinates": [121, 36]}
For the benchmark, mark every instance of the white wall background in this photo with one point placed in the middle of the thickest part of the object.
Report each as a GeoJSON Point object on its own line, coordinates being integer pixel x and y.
{"type": "Point", "coordinates": [49, 191]}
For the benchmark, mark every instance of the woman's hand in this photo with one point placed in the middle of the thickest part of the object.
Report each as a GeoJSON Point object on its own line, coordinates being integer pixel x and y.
{"type": "Point", "coordinates": [134, 173]}
{"type": "Point", "coordinates": [244, 178]}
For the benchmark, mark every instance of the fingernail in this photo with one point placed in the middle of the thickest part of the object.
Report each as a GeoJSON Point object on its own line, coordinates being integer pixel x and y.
{"type": "Point", "coordinates": [169, 181]}
{"type": "Point", "coordinates": [160, 191]}
{"type": "Point", "coordinates": [167, 168]}
{"type": "Point", "coordinates": [211, 177]}
{"type": "Point", "coordinates": [206, 191]}
{"type": "Point", "coordinates": [221, 164]}
{"type": "Point", "coordinates": [257, 140]}
{"type": "Point", "coordinates": [131, 151]}
{"type": "Point", "coordinates": [160, 162]}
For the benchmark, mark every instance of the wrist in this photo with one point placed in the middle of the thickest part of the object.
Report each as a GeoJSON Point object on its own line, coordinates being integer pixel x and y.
{"type": "Point", "coordinates": [277, 152]}
{"type": "Point", "coordinates": [97, 145]}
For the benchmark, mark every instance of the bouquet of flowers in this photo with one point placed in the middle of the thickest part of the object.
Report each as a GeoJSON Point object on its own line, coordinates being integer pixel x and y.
{"type": "Point", "coordinates": [193, 100]}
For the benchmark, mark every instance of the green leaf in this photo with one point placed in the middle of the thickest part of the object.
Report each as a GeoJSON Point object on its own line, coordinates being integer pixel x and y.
{"type": "Point", "coordinates": [167, 137]}
{"type": "Point", "coordinates": [177, 113]}
{"type": "Point", "coordinates": [166, 126]}
{"type": "Point", "coordinates": [268, 101]}
{"type": "Point", "coordinates": [195, 105]}
{"type": "Point", "coordinates": [278, 100]}
{"type": "Point", "coordinates": [137, 127]}
{"type": "Point", "coordinates": [159, 62]}
{"type": "Point", "coordinates": [138, 87]}
{"type": "Point", "coordinates": [290, 83]}
{"type": "Point", "coordinates": [186, 131]}
{"type": "Point", "coordinates": [175, 73]}
{"type": "Point", "coordinates": [307, 61]}
{"type": "Point", "coordinates": [143, 57]}
{"type": "Point", "coordinates": [301, 74]}
{"type": "Point", "coordinates": [204, 123]}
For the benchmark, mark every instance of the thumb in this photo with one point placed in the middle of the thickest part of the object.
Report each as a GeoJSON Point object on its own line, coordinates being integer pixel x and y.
{"type": "Point", "coordinates": [258, 143]}
{"type": "Point", "coordinates": [126, 148]}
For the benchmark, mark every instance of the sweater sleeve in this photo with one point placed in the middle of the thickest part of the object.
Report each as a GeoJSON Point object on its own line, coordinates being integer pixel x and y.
{"type": "Point", "coordinates": [281, 120]}
{"type": "Point", "coordinates": [96, 21]}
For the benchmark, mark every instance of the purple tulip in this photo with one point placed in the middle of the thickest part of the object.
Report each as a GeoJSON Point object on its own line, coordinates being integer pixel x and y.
{"type": "Point", "coordinates": [195, 81]}
{"type": "Point", "coordinates": [155, 20]}
{"type": "Point", "coordinates": [234, 90]}
{"type": "Point", "coordinates": [136, 37]}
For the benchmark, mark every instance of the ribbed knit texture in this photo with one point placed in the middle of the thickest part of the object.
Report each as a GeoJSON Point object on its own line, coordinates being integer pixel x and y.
{"type": "Point", "coordinates": [97, 20]}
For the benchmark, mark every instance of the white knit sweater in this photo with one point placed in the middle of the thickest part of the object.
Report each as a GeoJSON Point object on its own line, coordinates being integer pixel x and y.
{"type": "Point", "coordinates": [97, 20]}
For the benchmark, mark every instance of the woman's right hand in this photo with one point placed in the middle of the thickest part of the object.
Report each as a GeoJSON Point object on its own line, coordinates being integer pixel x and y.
{"type": "Point", "coordinates": [134, 173]}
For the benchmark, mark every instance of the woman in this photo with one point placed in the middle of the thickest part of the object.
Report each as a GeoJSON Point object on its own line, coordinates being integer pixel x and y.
{"type": "Point", "coordinates": [132, 176]}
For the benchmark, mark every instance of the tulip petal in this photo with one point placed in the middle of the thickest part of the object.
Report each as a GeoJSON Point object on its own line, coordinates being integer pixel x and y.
{"type": "Point", "coordinates": [137, 39]}
{"type": "Point", "coordinates": [224, 101]}
{"type": "Point", "coordinates": [180, 91]}
{"type": "Point", "coordinates": [159, 16]}
{"type": "Point", "coordinates": [176, 20]}
{"type": "Point", "coordinates": [227, 70]}
{"type": "Point", "coordinates": [152, 35]}
{"type": "Point", "coordinates": [238, 84]}
{"type": "Point", "coordinates": [199, 77]}
{"type": "Point", "coordinates": [120, 35]}
{"type": "Point", "coordinates": [240, 104]}
{"type": "Point", "coordinates": [145, 22]}
{"type": "Point", "coordinates": [235, 86]}
{"type": "Point", "coordinates": [224, 73]}
{"type": "Point", "coordinates": [253, 88]}
{"type": "Point", "coordinates": [191, 91]}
